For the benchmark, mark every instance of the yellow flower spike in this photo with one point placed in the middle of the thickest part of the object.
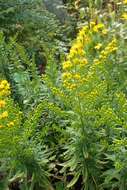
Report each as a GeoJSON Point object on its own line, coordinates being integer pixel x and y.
{"type": "Point", "coordinates": [4, 88]}
{"type": "Point", "coordinates": [98, 46]}
{"type": "Point", "coordinates": [2, 103]}
{"type": "Point", "coordinates": [1, 126]}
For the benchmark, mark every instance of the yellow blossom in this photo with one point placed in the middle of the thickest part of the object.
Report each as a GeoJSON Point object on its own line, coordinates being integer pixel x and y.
{"type": "Point", "coordinates": [85, 28]}
{"type": "Point", "coordinates": [98, 46]}
{"type": "Point", "coordinates": [105, 31]}
{"type": "Point", "coordinates": [4, 115]}
{"type": "Point", "coordinates": [81, 33]}
{"type": "Point", "coordinates": [67, 65]}
{"type": "Point", "coordinates": [4, 88]}
{"type": "Point", "coordinates": [2, 103]}
{"type": "Point", "coordinates": [111, 47]}
{"type": "Point", "coordinates": [125, 1]}
{"type": "Point", "coordinates": [76, 61]}
{"type": "Point", "coordinates": [77, 46]}
{"type": "Point", "coordinates": [92, 24]}
{"type": "Point", "coordinates": [100, 25]}
{"type": "Point", "coordinates": [67, 75]}
{"type": "Point", "coordinates": [1, 126]}
{"type": "Point", "coordinates": [83, 62]}
{"type": "Point", "coordinates": [72, 86]}
{"type": "Point", "coordinates": [11, 124]}
{"type": "Point", "coordinates": [96, 61]}
{"type": "Point", "coordinates": [97, 27]}
{"type": "Point", "coordinates": [4, 82]}
{"type": "Point", "coordinates": [124, 16]}
{"type": "Point", "coordinates": [1, 86]}
{"type": "Point", "coordinates": [77, 76]}
{"type": "Point", "coordinates": [94, 93]}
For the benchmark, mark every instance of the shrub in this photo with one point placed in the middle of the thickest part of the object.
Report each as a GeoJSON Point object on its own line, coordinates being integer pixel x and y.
{"type": "Point", "coordinates": [91, 91]}
{"type": "Point", "coordinates": [23, 156]}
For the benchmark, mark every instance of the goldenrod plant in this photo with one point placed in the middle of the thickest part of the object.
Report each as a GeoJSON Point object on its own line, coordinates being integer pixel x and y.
{"type": "Point", "coordinates": [92, 92]}
{"type": "Point", "coordinates": [23, 158]}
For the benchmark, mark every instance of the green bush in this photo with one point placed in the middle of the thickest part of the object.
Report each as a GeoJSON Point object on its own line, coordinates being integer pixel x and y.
{"type": "Point", "coordinates": [34, 26]}
{"type": "Point", "coordinates": [24, 159]}
{"type": "Point", "coordinates": [91, 91]}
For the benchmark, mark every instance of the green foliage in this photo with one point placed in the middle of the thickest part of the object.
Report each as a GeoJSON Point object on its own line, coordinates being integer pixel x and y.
{"type": "Point", "coordinates": [22, 72]}
{"type": "Point", "coordinates": [34, 25]}
{"type": "Point", "coordinates": [91, 91]}
{"type": "Point", "coordinates": [26, 159]}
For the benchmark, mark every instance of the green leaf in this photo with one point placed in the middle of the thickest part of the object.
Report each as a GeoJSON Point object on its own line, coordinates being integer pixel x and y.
{"type": "Point", "coordinates": [74, 180]}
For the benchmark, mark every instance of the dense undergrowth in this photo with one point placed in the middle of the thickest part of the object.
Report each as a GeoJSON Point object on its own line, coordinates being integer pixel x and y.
{"type": "Point", "coordinates": [65, 129]}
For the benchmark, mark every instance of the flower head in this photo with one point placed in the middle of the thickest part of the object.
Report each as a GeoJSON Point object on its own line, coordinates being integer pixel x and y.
{"type": "Point", "coordinates": [2, 103]}
{"type": "Point", "coordinates": [98, 46]}
{"type": "Point", "coordinates": [4, 115]}
{"type": "Point", "coordinates": [11, 124]}
{"type": "Point", "coordinates": [124, 16]}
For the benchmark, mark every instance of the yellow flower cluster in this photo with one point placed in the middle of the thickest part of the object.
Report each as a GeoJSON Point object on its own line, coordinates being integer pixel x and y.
{"type": "Point", "coordinates": [111, 47]}
{"type": "Point", "coordinates": [125, 1]}
{"type": "Point", "coordinates": [75, 60]}
{"type": "Point", "coordinates": [56, 91]}
{"type": "Point", "coordinates": [6, 116]}
{"type": "Point", "coordinates": [80, 60]}
{"type": "Point", "coordinates": [67, 65]}
{"type": "Point", "coordinates": [98, 27]}
{"type": "Point", "coordinates": [98, 46]}
{"type": "Point", "coordinates": [10, 124]}
{"type": "Point", "coordinates": [2, 103]}
{"type": "Point", "coordinates": [124, 16]}
{"type": "Point", "coordinates": [104, 31]}
{"type": "Point", "coordinates": [4, 88]}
